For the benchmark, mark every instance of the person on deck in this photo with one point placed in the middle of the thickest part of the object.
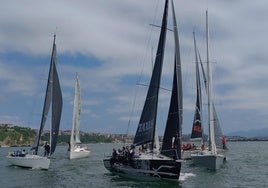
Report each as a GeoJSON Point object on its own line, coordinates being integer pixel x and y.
{"type": "Point", "coordinates": [223, 141]}
{"type": "Point", "coordinates": [175, 140]}
{"type": "Point", "coordinates": [47, 149]}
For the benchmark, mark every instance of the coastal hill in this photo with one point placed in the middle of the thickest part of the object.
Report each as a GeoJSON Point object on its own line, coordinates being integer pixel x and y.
{"type": "Point", "coordinates": [13, 135]}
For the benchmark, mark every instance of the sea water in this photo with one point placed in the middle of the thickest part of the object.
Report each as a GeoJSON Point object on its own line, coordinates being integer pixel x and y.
{"type": "Point", "coordinates": [246, 166]}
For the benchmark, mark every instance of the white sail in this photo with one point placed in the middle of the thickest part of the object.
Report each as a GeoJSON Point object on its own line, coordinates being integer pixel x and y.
{"type": "Point", "coordinates": [76, 151]}
{"type": "Point", "coordinates": [76, 114]}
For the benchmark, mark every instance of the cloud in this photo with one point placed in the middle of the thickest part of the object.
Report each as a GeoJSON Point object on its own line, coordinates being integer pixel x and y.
{"type": "Point", "coordinates": [109, 44]}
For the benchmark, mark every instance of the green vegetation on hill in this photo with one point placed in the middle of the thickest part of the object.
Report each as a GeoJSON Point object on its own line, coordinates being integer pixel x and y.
{"type": "Point", "coordinates": [86, 138]}
{"type": "Point", "coordinates": [21, 136]}
{"type": "Point", "coordinates": [16, 135]}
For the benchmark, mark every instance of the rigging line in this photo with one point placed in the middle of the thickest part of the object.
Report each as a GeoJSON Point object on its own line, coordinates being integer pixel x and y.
{"type": "Point", "coordinates": [148, 41]}
{"type": "Point", "coordinates": [139, 84]}
{"type": "Point", "coordinates": [131, 113]}
{"type": "Point", "coordinates": [160, 27]}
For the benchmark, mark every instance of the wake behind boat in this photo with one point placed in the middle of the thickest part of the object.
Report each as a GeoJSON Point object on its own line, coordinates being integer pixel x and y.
{"type": "Point", "coordinates": [53, 99]}
{"type": "Point", "coordinates": [76, 150]}
{"type": "Point", "coordinates": [165, 164]}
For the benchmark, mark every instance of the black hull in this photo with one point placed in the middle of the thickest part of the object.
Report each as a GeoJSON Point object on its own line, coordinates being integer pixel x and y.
{"type": "Point", "coordinates": [146, 168]}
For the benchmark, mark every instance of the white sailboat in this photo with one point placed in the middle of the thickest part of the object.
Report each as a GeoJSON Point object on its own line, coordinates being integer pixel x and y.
{"type": "Point", "coordinates": [53, 99]}
{"type": "Point", "coordinates": [209, 158]}
{"type": "Point", "coordinates": [75, 148]}
{"type": "Point", "coordinates": [165, 164]}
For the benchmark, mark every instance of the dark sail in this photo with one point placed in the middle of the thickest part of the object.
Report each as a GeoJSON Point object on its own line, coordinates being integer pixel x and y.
{"type": "Point", "coordinates": [56, 104]}
{"type": "Point", "coordinates": [146, 129]}
{"type": "Point", "coordinates": [197, 132]}
{"type": "Point", "coordinates": [47, 103]}
{"type": "Point", "coordinates": [174, 121]}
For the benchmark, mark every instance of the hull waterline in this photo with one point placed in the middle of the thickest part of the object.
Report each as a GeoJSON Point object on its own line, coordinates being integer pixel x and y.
{"type": "Point", "coordinates": [30, 161]}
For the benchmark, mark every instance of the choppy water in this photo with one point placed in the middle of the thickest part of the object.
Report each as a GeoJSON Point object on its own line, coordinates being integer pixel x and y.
{"type": "Point", "coordinates": [246, 166]}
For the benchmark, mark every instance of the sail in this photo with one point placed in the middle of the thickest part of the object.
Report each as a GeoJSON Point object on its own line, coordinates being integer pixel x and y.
{"type": "Point", "coordinates": [217, 129]}
{"type": "Point", "coordinates": [146, 128]}
{"type": "Point", "coordinates": [174, 121]}
{"type": "Point", "coordinates": [46, 105]}
{"type": "Point", "coordinates": [217, 126]}
{"type": "Point", "coordinates": [56, 103]}
{"type": "Point", "coordinates": [54, 96]}
{"type": "Point", "coordinates": [77, 131]}
{"type": "Point", "coordinates": [75, 135]}
{"type": "Point", "coordinates": [197, 132]}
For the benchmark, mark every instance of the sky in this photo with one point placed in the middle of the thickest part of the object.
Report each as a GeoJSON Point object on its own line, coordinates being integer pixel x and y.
{"type": "Point", "coordinates": [111, 44]}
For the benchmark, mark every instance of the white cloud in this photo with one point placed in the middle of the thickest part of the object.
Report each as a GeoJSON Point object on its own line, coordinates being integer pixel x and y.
{"type": "Point", "coordinates": [116, 38]}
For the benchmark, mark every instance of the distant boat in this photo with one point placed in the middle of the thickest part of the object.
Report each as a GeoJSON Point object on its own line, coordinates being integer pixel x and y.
{"type": "Point", "coordinates": [53, 99]}
{"type": "Point", "coordinates": [75, 148]}
{"type": "Point", "coordinates": [209, 158]}
{"type": "Point", "coordinates": [165, 164]}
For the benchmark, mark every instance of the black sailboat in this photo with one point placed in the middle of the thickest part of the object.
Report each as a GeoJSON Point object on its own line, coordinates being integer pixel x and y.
{"type": "Point", "coordinates": [53, 103]}
{"type": "Point", "coordinates": [167, 163]}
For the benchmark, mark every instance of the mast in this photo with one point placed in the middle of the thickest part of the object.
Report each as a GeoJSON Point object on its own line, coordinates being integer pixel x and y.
{"type": "Point", "coordinates": [51, 81]}
{"type": "Point", "coordinates": [47, 103]}
{"type": "Point", "coordinates": [212, 146]}
{"type": "Point", "coordinates": [174, 120]}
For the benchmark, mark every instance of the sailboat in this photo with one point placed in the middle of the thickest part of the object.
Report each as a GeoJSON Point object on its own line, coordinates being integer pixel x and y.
{"type": "Point", "coordinates": [76, 150]}
{"type": "Point", "coordinates": [165, 164]}
{"type": "Point", "coordinates": [197, 130]}
{"type": "Point", "coordinates": [53, 100]}
{"type": "Point", "coordinates": [209, 158]}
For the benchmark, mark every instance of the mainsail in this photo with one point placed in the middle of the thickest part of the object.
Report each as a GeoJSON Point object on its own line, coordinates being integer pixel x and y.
{"type": "Point", "coordinates": [146, 129]}
{"type": "Point", "coordinates": [56, 103]}
{"type": "Point", "coordinates": [54, 96]}
{"type": "Point", "coordinates": [75, 136]}
{"type": "Point", "coordinates": [174, 121]}
{"type": "Point", "coordinates": [217, 127]}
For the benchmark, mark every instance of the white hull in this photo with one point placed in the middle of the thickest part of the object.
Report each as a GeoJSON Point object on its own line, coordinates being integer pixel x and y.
{"type": "Point", "coordinates": [79, 153]}
{"type": "Point", "coordinates": [208, 160]}
{"type": "Point", "coordinates": [30, 161]}
{"type": "Point", "coordinates": [186, 154]}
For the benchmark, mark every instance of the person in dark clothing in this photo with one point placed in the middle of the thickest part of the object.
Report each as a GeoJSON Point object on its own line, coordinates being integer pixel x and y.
{"type": "Point", "coordinates": [47, 149]}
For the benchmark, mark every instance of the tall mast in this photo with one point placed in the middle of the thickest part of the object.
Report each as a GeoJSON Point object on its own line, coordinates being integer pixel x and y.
{"type": "Point", "coordinates": [212, 146]}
